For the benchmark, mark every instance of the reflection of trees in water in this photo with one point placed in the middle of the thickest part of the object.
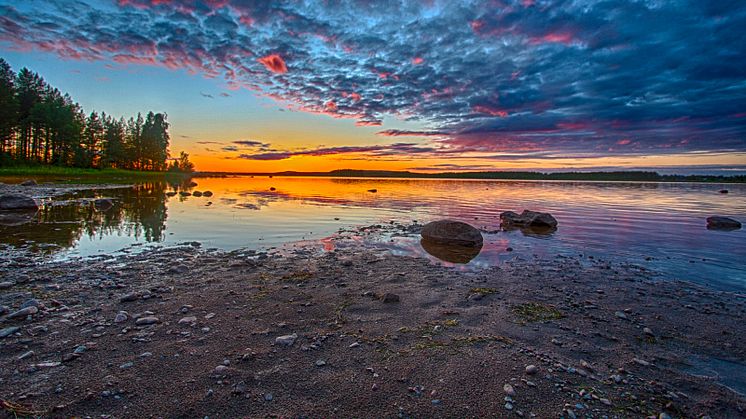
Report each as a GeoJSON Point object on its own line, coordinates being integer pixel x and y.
{"type": "Point", "coordinates": [139, 212]}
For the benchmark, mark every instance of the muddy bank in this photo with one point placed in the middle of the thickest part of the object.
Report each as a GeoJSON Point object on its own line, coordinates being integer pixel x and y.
{"type": "Point", "coordinates": [186, 332]}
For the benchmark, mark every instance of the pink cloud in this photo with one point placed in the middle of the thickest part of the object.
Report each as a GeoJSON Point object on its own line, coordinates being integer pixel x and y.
{"type": "Point", "coordinates": [274, 63]}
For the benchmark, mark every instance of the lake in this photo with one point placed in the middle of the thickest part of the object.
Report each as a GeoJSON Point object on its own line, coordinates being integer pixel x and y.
{"type": "Point", "coordinates": [660, 226]}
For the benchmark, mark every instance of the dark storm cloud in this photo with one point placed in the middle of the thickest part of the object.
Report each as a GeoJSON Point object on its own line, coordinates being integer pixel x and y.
{"type": "Point", "coordinates": [567, 76]}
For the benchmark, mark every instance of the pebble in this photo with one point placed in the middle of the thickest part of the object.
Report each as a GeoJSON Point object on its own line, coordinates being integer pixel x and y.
{"type": "Point", "coordinates": [532, 369]}
{"type": "Point", "coordinates": [208, 316]}
{"type": "Point", "coordinates": [6, 284]}
{"type": "Point", "coordinates": [509, 390]}
{"type": "Point", "coordinates": [129, 297]}
{"type": "Point", "coordinates": [320, 363]}
{"type": "Point", "coordinates": [664, 415]}
{"type": "Point", "coordinates": [607, 402]}
{"type": "Point", "coordinates": [80, 349]}
{"type": "Point", "coordinates": [126, 365]}
{"type": "Point", "coordinates": [286, 340]}
{"type": "Point", "coordinates": [121, 317]}
{"type": "Point", "coordinates": [268, 397]}
{"type": "Point", "coordinates": [648, 332]}
{"type": "Point", "coordinates": [509, 406]}
{"type": "Point", "coordinates": [8, 331]}
{"type": "Point", "coordinates": [188, 320]}
{"type": "Point", "coordinates": [621, 315]}
{"type": "Point", "coordinates": [26, 355]}
{"type": "Point", "coordinates": [143, 321]}
{"type": "Point", "coordinates": [641, 362]}
{"type": "Point", "coordinates": [28, 311]}
{"type": "Point", "coordinates": [354, 345]}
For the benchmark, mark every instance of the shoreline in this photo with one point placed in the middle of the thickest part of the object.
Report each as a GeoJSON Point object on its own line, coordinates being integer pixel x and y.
{"type": "Point", "coordinates": [201, 329]}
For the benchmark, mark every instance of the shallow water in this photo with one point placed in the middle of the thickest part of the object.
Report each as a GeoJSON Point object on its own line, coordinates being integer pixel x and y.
{"type": "Point", "coordinates": [657, 225]}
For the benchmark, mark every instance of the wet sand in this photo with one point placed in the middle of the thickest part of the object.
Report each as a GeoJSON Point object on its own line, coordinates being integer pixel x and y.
{"type": "Point", "coordinates": [187, 332]}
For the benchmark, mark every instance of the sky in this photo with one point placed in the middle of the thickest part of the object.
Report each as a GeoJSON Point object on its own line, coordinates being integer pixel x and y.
{"type": "Point", "coordinates": [428, 85]}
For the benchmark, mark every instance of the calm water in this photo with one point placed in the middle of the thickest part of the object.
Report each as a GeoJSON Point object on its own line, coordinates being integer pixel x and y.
{"type": "Point", "coordinates": [656, 225]}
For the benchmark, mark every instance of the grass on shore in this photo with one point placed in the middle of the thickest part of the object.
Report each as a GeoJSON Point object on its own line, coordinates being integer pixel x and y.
{"type": "Point", "coordinates": [59, 174]}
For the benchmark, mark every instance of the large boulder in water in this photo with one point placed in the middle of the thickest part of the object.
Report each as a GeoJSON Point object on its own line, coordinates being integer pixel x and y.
{"type": "Point", "coordinates": [17, 202]}
{"type": "Point", "coordinates": [529, 219]}
{"type": "Point", "coordinates": [450, 232]}
{"type": "Point", "coordinates": [722, 223]}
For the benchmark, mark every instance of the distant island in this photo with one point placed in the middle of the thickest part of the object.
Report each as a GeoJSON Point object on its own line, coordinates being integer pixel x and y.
{"type": "Point", "coordinates": [615, 176]}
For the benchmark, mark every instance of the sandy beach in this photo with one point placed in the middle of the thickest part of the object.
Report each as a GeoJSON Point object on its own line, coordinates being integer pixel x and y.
{"type": "Point", "coordinates": [187, 332]}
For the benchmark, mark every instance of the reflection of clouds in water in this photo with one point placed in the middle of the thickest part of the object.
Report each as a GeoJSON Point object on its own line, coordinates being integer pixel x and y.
{"type": "Point", "coordinates": [247, 205]}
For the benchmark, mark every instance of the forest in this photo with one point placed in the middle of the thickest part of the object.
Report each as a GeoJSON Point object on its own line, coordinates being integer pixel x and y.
{"type": "Point", "coordinates": [40, 125]}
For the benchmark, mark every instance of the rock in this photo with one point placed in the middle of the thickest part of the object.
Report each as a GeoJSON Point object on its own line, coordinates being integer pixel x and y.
{"type": "Point", "coordinates": [509, 390]}
{"type": "Point", "coordinates": [509, 406]}
{"type": "Point", "coordinates": [354, 345]}
{"type": "Point", "coordinates": [607, 402]}
{"type": "Point", "coordinates": [723, 191]}
{"type": "Point", "coordinates": [25, 355]}
{"type": "Point", "coordinates": [6, 284]}
{"type": "Point", "coordinates": [121, 317]}
{"type": "Point", "coordinates": [529, 219]}
{"type": "Point", "coordinates": [450, 232]}
{"type": "Point", "coordinates": [532, 369]}
{"type": "Point", "coordinates": [320, 363]}
{"type": "Point", "coordinates": [648, 332]}
{"type": "Point", "coordinates": [273, 189]}
{"type": "Point", "coordinates": [197, 194]}
{"type": "Point", "coordinates": [221, 369]}
{"type": "Point", "coordinates": [127, 365]}
{"type": "Point", "coordinates": [268, 397]}
{"type": "Point", "coordinates": [722, 223]}
{"type": "Point", "coordinates": [11, 202]}
{"type": "Point", "coordinates": [207, 193]}
{"type": "Point", "coordinates": [192, 184]}
{"type": "Point", "coordinates": [4, 333]}
{"type": "Point", "coordinates": [641, 362]}
{"type": "Point", "coordinates": [390, 298]}
{"type": "Point", "coordinates": [171, 193]}
{"type": "Point", "coordinates": [188, 320]}
{"type": "Point", "coordinates": [27, 311]}
{"type": "Point", "coordinates": [129, 297]}
{"type": "Point", "coordinates": [372, 190]}
{"type": "Point", "coordinates": [664, 415]}
{"type": "Point", "coordinates": [286, 340]}
{"type": "Point", "coordinates": [143, 321]}
{"type": "Point", "coordinates": [28, 182]}
{"type": "Point", "coordinates": [185, 193]}
{"type": "Point", "coordinates": [33, 302]}
{"type": "Point", "coordinates": [103, 204]}
{"type": "Point", "coordinates": [621, 315]}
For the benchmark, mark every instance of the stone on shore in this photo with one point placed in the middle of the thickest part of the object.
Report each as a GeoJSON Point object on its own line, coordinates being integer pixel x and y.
{"type": "Point", "coordinates": [17, 202]}
{"type": "Point", "coordinates": [286, 340]}
{"type": "Point", "coordinates": [26, 311]}
{"type": "Point", "coordinates": [722, 223]}
{"type": "Point", "coordinates": [8, 331]}
{"type": "Point", "coordinates": [529, 219]}
{"type": "Point", "coordinates": [450, 232]}
{"type": "Point", "coordinates": [207, 193]}
{"type": "Point", "coordinates": [144, 321]}
{"type": "Point", "coordinates": [197, 194]}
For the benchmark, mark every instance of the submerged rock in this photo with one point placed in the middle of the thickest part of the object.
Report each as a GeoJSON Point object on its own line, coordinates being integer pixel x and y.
{"type": "Point", "coordinates": [450, 232]}
{"type": "Point", "coordinates": [529, 219]}
{"type": "Point", "coordinates": [722, 223]}
{"type": "Point", "coordinates": [17, 202]}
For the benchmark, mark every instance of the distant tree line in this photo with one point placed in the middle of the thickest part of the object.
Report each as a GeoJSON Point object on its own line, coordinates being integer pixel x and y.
{"type": "Point", "coordinates": [41, 125]}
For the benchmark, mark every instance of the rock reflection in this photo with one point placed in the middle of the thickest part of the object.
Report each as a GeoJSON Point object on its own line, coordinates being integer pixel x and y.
{"type": "Point", "coordinates": [533, 231]}
{"type": "Point", "coordinates": [451, 253]}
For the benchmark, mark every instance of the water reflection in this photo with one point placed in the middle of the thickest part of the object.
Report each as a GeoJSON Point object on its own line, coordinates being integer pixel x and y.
{"type": "Point", "coordinates": [136, 212]}
{"type": "Point", "coordinates": [660, 226]}
{"type": "Point", "coordinates": [451, 253]}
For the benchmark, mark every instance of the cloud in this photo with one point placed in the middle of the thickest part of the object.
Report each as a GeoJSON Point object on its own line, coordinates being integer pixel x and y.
{"type": "Point", "coordinates": [251, 143]}
{"type": "Point", "coordinates": [373, 151]}
{"type": "Point", "coordinates": [274, 63]}
{"type": "Point", "coordinates": [207, 95]}
{"type": "Point", "coordinates": [606, 78]}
